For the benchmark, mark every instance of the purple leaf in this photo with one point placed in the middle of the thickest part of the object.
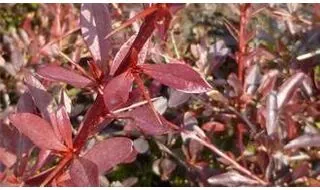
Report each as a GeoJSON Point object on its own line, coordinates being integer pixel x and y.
{"type": "Point", "coordinates": [304, 141]}
{"type": "Point", "coordinates": [177, 98]}
{"type": "Point", "coordinates": [235, 83]}
{"type": "Point", "coordinates": [84, 173]}
{"type": "Point", "coordinates": [288, 88]}
{"type": "Point", "coordinates": [26, 104]}
{"type": "Point", "coordinates": [179, 76]}
{"type": "Point", "coordinates": [41, 97]}
{"type": "Point", "coordinates": [38, 130]}
{"type": "Point", "coordinates": [268, 82]}
{"type": "Point", "coordinates": [252, 79]}
{"type": "Point", "coordinates": [116, 92]}
{"type": "Point", "coordinates": [145, 120]}
{"type": "Point", "coordinates": [57, 73]}
{"type": "Point", "coordinates": [231, 179]}
{"type": "Point", "coordinates": [110, 152]}
{"type": "Point", "coordinates": [95, 22]}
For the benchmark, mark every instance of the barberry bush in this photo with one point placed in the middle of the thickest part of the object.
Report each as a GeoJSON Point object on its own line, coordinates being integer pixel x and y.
{"type": "Point", "coordinates": [160, 95]}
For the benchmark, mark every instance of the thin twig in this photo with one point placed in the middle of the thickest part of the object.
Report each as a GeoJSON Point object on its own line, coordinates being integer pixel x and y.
{"type": "Point", "coordinates": [230, 160]}
{"type": "Point", "coordinates": [76, 65]}
{"type": "Point", "coordinates": [134, 105]}
{"type": "Point", "coordinates": [175, 45]}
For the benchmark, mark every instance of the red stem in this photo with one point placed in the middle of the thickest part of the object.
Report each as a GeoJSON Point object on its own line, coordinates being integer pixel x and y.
{"type": "Point", "coordinates": [244, 10]}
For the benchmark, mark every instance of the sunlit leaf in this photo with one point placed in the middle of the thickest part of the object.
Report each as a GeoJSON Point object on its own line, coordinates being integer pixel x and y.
{"type": "Point", "coordinates": [38, 130]}
{"type": "Point", "coordinates": [57, 73]}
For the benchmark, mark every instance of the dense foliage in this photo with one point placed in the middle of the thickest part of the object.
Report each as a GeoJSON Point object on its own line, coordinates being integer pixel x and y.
{"type": "Point", "coordinates": [159, 95]}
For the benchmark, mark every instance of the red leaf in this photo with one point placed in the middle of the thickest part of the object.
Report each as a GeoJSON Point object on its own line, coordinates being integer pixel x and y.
{"type": "Point", "coordinates": [179, 76]}
{"type": "Point", "coordinates": [84, 173]}
{"type": "Point", "coordinates": [65, 126]}
{"type": "Point", "coordinates": [93, 117]}
{"type": "Point", "coordinates": [145, 120]}
{"type": "Point", "coordinates": [95, 22]}
{"type": "Point", "coordinates": [56, 73]}
{"type": "Point", "coordinates": [110, 152]}
{"type": "Point", "coordinates": [116, 92]}
{"type": "Point", "coordinates": [38, 130]}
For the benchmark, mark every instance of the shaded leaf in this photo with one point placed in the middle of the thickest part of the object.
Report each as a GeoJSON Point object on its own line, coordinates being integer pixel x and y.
{"type": "Point", "coordinates": [95, 22]}
{"type": "Point", "coordinates": [213, 126]}
{"type": "Point", "coordinates": [41, 97]}
{"type": "Point", "coordinates": [116, 92]}
{"type": "Point", "coordinates": [231, 179]}
{"type": "Point", "coordinates": [84, 173]}
{"type": "Point", "coordinates": [252, 79]}
{"type": "Point", "coordinates": [144, 119]}
{"type": "Point", "coordinates": [177, 98]}
{"type": "Point", "coordinates": [288, 88]}
{"type": "Point", "coordinates": [141, 145]}
{"type": "Point", "coordinates": [304, 141]}
{"type": "Point", "coordinates": [268, 82]}
{"type": "Point", "coordinates": [167, 167]}
{"type": "Point", "coordinates": [179, 76]}
{"type": "Point", "coordinates": [161, 105]}
{"type": "Point", "coordinates": [38, 130]}
{"type": "Point", "coordinates": [235, 83]}
{"type": "Point", "coordinates": [57, 73]}
{"type": "Point", "coordinates": [64, 126]}
{"type": "Point", "coordinates": [26, 104]}
{"type": "Point", "coordinates": [65, 101]}
{"type": "Point", "coordinates": [110, 152]}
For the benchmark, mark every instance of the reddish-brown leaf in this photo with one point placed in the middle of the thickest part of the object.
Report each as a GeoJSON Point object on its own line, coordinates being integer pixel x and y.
{"type": "Point", "coordinates": [288, 88]}
{"type": "Point", "coordinates": [95, 22]}
{"type": "Point", "coordinates": [84, 173]}
{"type": "Point", "coordinates": [145, 120]}
{"type": "Point", "coordinates": [38, 130]}
{"type": "Point", "coordinates": [116, 92]}
{"type": "Point", "coordinates": [57, 73]}
{"type": "Point", "coordinates": [110, 152]}
{"type": "Point", "coordinates": [64, 126]}
{"type": "Point", "coordinates": [179, 76]}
